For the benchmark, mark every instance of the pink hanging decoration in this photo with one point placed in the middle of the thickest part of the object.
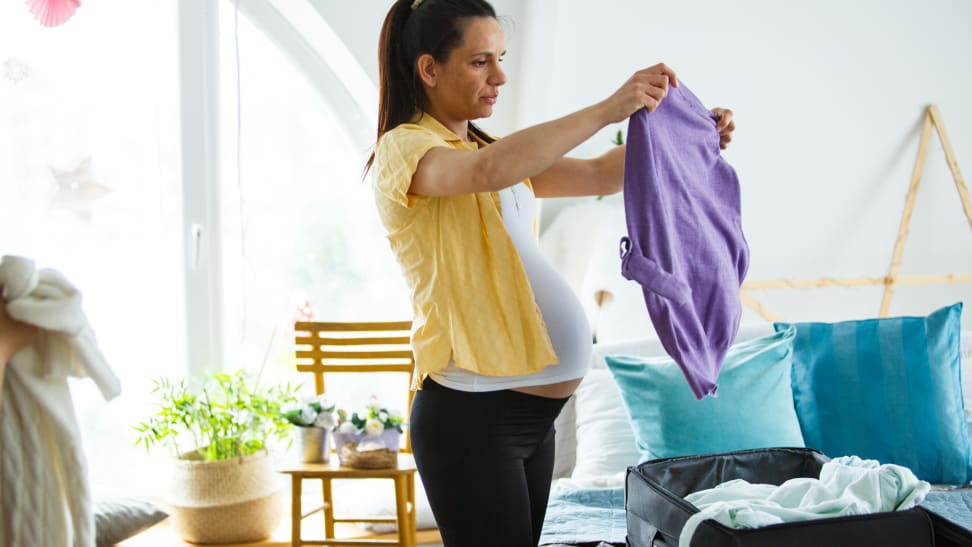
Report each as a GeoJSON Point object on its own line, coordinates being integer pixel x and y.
{"type": "Point", "coordinates": [303, 311]}
{"type": "Point", "coordinates": [52, 13]}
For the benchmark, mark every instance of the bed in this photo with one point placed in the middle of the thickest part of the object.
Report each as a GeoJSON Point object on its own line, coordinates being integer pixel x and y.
{"type": "Point", "coordinates": [608, 424]}
{"type": "Point", "coordinates": [596, 441]}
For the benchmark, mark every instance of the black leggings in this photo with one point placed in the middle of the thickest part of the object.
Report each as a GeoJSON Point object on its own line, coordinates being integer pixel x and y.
{"type": "Point", "coordinates": [486, 460]}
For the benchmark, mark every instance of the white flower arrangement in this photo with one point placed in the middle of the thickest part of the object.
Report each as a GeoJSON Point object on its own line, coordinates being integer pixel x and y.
{"type": "Point", "coordinates": [312, 412]}
{"type": "Point", "coordinates": [373, 420]}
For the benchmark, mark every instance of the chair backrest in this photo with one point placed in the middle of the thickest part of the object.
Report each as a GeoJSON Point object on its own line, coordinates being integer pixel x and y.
{"type": "Point", "coordinates": [325, 348]}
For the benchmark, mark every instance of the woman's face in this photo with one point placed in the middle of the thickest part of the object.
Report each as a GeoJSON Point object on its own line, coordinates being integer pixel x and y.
{"type": "Point", "coordinates": [467, 83]}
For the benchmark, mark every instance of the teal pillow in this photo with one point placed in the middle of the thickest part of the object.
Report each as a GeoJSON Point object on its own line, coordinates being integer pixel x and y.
{"type": "Point", "coordinates": [885, 389]}
{"type": "Point", "coordinates": [753, 408]}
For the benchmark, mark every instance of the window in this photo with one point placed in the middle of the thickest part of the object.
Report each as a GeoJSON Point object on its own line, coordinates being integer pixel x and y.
{"type": "Point", "coordinates": [90, 187]}
{"type": "Point", "coordinates": [299, 222]}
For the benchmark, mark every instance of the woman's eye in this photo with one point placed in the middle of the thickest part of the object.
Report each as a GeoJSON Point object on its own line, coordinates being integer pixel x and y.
{"type": "Point", "coordinates": [479, 63]}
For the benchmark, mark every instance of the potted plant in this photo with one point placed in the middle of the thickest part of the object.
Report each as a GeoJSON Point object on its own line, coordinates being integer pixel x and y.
{"type": "Point", "coordinates": [224, 487]}
{"type": "Point", "coordinates": [369, 438]}
{"type": "Point", "coordinates": [314, 419]}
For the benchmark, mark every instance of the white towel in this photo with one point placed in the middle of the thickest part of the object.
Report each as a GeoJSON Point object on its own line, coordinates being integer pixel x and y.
{"type": "Point", "coordinates": [46, 498]}
{"type": "Point", "coordinates": [847, 486]}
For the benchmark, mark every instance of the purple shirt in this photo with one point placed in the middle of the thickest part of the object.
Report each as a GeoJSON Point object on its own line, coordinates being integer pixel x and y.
{"type": "Point", "coordinates": [685, 244]}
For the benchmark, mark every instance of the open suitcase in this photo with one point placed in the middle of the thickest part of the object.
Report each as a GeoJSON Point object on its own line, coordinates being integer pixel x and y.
{"type": "Point", "coordinates": [657, 510]}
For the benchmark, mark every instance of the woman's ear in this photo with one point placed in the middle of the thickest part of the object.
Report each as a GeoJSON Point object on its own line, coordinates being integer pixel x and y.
{"type": "Point", "coordinates": [426, 67]}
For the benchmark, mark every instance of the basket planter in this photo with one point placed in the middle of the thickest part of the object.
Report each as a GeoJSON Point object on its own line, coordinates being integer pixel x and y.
{"type": "Point", "coordinates": [230, 501]}
{"type": "Point", "coordinates": [346, 445]}
{"type": "Point", "coordinates": [313, 444]}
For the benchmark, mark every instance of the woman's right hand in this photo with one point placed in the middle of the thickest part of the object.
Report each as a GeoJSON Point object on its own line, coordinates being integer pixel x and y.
{"type": "Point", "coordinates": [645, 89]}
{"type": "Point", "coordinates": [14, 335]}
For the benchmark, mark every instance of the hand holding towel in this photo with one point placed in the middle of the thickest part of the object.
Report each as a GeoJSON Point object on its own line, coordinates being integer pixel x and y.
{"type": "Point", "coordinates": [44, 492]}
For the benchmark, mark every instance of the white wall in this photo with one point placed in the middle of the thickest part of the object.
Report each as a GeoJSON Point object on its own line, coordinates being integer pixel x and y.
{"type": "Point", "coordinates": [828, 96]}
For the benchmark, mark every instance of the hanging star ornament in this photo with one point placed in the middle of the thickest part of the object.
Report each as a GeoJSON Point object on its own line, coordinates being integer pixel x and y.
{"type": "Point", "coordinates": [77, 189]}
{"type": "Point", "coordinates": [52, 13]}
{"type": "Point", "coordinates": [14, 70]}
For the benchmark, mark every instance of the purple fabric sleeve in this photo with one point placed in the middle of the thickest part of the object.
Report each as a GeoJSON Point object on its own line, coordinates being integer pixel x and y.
{"type": "Point", "coordinates": [685, 243]}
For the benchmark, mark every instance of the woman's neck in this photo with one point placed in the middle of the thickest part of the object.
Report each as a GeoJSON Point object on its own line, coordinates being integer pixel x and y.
{"type": "Point", "coordinates": [459, 127]}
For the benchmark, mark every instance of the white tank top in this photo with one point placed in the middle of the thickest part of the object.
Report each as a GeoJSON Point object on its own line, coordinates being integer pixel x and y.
{"type": "Point", "coordinates": [562, 312]}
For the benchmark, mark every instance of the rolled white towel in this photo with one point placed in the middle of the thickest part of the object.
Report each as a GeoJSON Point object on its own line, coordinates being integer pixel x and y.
{"type": "Point", "coordinates": [66, 344]}
{"type": "Point", "coordinates": [17, 276]}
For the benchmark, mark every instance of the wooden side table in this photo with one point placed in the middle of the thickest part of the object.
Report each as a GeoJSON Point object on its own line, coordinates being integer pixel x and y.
{"type": "Point", "coordinates": [403, 476]}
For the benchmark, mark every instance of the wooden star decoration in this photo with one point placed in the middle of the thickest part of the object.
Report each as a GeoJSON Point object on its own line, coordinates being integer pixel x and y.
{"type": "Point", "coordinates": [932, 118]}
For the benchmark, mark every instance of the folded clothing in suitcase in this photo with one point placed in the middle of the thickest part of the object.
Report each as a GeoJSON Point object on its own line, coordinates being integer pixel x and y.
{"type": "Point", "coordinates": [656, 509]}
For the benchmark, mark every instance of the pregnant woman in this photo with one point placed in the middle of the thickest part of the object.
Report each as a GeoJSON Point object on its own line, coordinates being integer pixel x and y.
{"type": "Point", "coordinates": [500, 340]}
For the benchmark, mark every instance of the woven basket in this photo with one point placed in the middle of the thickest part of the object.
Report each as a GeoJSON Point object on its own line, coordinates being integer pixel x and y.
{"type": "Point", "coordinates": [371, 459]}
{"type": "Point", "coordinates": [231, 501]}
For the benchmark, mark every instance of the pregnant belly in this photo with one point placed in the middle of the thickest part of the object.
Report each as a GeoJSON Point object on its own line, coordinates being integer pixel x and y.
{"type": "Point", "coordinates": [559, 390]}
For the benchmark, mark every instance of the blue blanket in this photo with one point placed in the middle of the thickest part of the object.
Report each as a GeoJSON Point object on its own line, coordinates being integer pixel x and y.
{"type": "Point", "coordinates": [585, 516]}
{"type": "Point", "coordinates": [954, 505]}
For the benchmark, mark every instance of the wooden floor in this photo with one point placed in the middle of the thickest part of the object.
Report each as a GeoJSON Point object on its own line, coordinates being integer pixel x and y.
{"type": "Point", "coordinates": [164, 535]}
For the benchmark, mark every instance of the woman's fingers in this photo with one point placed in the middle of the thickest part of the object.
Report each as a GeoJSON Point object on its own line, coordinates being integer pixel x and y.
{"type": "Point", "coordinates": [725, 125]}
{"type": "Point", "coordinates": [723, 119]}
{"type": "Point", "coordinates": [663, 69]}
{"type": "Point", "coordinates": [724, 141]}
{"type": "Point", "coordinates": [645, 89]}
{"type": "Point", "coordinates": [654, 87]}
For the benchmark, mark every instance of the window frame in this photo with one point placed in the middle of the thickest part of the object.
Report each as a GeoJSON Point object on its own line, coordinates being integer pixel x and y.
{"type": "Point", "coordinates": [330, 67]}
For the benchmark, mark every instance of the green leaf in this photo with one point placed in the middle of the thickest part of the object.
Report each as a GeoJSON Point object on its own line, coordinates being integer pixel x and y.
{"type": "Point", "coordinates": [227, 416]}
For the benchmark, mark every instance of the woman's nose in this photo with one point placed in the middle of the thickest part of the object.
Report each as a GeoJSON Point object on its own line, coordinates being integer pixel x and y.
{"type": "Point", "coordinates": [498, 77]}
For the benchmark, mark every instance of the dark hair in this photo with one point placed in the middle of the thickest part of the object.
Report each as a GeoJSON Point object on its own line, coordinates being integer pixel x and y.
{"type": "Point", "coordinates": [434, 27]}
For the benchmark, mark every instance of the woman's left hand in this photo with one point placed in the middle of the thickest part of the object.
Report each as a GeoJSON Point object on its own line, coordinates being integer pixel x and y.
{"type": "Point", "coordinates": [724, 125]}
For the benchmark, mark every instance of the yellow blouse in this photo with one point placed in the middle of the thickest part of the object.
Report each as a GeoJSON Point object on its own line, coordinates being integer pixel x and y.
{"type": "Point", "coordinates": [471, 298]}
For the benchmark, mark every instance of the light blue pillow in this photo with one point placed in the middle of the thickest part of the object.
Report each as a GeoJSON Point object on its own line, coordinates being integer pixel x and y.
{"type": "Point", "coordinates": [753, 407]}
{"type": "Point", "coordinates": [885, 389]}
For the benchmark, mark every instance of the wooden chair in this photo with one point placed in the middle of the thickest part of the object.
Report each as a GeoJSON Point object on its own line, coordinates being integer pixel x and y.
{"type": "Point", "coordinates": [334, 348]}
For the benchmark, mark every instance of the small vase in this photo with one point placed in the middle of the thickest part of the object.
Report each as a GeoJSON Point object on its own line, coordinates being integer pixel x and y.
{"type": "Point", "coordinates": [313, 444]}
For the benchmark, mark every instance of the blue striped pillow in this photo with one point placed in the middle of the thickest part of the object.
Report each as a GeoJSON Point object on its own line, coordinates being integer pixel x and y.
{"type": "Point", "coordinates": [885, 389]}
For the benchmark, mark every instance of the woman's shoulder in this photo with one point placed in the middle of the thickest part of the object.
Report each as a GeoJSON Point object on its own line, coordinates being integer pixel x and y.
{"type": "Point", "coordinates": [408, 136]}
{"type": "Point", "coordinates": [407, 142]}
{"type": "Point", "coordinates": [407, 128]}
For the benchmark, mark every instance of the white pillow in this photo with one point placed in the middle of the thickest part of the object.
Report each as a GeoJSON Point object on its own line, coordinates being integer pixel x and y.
{"type": "Point", "coordinates": [375, 498]}
{"type": "Point", "coordinates": [565, 441]}
{"type": "Point", "coordinates": [605, 442]}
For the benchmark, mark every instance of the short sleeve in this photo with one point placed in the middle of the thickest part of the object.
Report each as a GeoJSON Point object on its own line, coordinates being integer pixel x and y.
{"type": "Point", "coordinates": [397, 156]}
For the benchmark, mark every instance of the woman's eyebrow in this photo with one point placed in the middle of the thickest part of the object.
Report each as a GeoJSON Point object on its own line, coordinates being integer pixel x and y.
{"type": "Point", "coordinates": [487, 54]}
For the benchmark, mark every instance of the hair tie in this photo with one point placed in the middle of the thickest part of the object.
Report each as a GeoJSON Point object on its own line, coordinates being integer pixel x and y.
{"type": "Point", "coordinates": [416, 4]}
